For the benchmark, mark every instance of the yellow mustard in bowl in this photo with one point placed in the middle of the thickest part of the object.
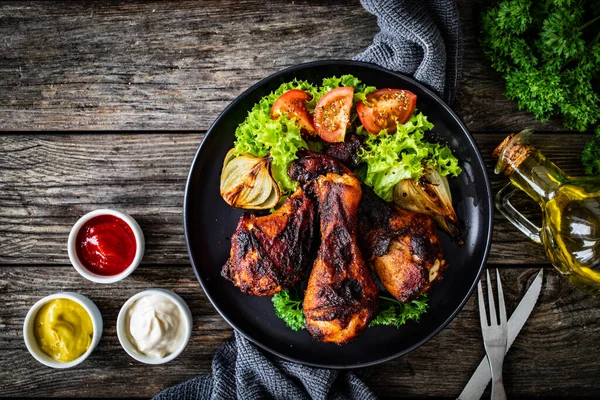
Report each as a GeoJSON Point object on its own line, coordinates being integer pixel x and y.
{"type": "Point", "coordinates": [63, 329]}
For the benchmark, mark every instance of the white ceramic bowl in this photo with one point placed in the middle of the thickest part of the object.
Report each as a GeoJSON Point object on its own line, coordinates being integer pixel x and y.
{"type": "Point", "coordinates": [31, 342]}
{"type": "Point", "coordinates": [124, 337]}
{"type": "Point", "coordinates": [86, 273]}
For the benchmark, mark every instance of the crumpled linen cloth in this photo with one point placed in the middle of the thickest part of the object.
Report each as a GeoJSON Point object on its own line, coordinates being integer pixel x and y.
{"type": "Point", "coordinates": [420, 38]}
{"type": "Point", "coordinates": [242, 371]}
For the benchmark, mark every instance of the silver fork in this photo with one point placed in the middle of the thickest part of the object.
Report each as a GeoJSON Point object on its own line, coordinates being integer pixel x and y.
{"type": "Point", "coordinates": [494, 334]}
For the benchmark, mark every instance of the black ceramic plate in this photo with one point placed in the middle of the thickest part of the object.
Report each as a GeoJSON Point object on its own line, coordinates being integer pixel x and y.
{"type": "Point", "coordinates": [209, 223]}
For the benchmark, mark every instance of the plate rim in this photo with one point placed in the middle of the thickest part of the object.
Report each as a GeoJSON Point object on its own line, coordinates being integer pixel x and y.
{"type": "Point", "coordinates": [471, 140]}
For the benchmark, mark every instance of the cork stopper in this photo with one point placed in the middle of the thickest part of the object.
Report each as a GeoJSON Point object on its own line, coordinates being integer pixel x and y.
{"type": "Point", "coordinates": [513, 150]}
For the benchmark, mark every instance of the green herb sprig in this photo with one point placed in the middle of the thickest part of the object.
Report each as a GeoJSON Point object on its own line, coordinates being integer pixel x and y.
{"type": "Point", "coordinates": [590, 157]}
{"type": "Point", "coordinates": [395, 313]}
{"type": "Point", "coordinates": [288, 307]}
{"type": "Point", "coordinates": [549, 54]}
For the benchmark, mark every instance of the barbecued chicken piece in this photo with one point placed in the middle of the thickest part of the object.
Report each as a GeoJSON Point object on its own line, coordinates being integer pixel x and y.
{"type": "Point", "coordinates": [347, 151]}
{"type": "Point", "coordinates": [402, 246]}
{"type": "Point", "coordinates": [309, 166]}
{"type": "Point", "coordinates": [341, 298]}
{"type": "Point", "coordinates": [271, 253]}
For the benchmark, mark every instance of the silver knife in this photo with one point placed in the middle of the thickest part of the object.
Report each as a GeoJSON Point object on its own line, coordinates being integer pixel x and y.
{"type": "Point", "coordinates": [480, 379]}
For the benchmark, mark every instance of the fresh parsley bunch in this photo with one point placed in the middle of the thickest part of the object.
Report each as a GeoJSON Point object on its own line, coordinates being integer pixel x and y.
{"type": "Point", "coordinates": [396, 313]}
{"type": "Point", "coordinates": [549, 53]}
{"type": "Point", "coordinates": [288, 307]}
{"type": "Point", "coordinates": [590, 157]}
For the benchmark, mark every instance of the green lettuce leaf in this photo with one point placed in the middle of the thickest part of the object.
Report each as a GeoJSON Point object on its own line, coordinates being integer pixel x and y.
{"type": "Point", "coordinates": [259, 135]}
{"type": "Point", "coordinates": [395, 313]}
{"type": "Point", "coordinates": [390, 158]}
{"type": "Point", "coordinates": [288, 307]}
{"type": "Point", "coordinates": [360, 89]}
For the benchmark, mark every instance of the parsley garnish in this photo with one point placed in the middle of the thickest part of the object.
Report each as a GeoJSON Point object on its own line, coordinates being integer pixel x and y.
{"type": "Point", "coordinates": [288, 307]}
{"type": "Point", "coordinates": [591, 155]}
{"type": "Point", "coordinates": [395, 313]}
{"type": "Point", "coordinates": [549, 53]}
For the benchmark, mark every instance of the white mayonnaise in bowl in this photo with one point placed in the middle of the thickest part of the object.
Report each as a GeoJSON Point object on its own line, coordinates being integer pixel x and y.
{"type": "Point", "coordinates": [154, 326]}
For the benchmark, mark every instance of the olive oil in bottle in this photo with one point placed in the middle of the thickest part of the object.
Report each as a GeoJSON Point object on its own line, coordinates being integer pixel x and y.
{"type": "Point", "coordinates": [570, 231]}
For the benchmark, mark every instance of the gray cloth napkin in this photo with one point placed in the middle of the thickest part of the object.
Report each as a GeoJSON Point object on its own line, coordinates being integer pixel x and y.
{"type": "Point", "coordinates": [242, 371]}
{"type": "Point", "coordinates": [421, 38]}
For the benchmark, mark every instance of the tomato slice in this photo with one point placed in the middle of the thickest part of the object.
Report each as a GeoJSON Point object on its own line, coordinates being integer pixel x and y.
{"type": "Point", "coordinates": [293, 103]}
{"type": "Point", "coordinates": [332, 114]}
{"type": "Point", "coordinates": [387, 106]}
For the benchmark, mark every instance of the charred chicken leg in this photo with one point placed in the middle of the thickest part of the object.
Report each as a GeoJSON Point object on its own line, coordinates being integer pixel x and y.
{"type": "Point", "coordinates": [341, 298]}
{"type": "Point", "coordinates": [272, 252]}
{"type": "Point", "coordinates": [403, 246]}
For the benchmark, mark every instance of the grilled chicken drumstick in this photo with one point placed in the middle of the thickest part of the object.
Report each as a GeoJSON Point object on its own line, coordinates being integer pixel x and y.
{"type": "Point", "coordinates": [272, 252]}
{"type": "Point", "coordinates": [341, 298]}
{"type": "Point", "coordinates": [403, 246]}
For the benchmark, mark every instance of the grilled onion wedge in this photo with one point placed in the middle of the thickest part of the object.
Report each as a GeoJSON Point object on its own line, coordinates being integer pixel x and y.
{"type": "Point", "coordinates": [429, 195]}
{"type": "Point", "coordinates": [246, 182]}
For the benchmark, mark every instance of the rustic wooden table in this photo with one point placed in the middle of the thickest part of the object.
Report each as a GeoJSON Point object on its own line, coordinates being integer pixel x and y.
{"type": "Point", "coordinates": [144, 81]}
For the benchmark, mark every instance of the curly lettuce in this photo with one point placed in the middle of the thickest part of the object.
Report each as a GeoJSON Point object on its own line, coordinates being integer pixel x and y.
{"type": "Point", "coordinates": [259, 135]}
{"type": "Point", "coordinates": [395, 313]}
{"type": "Point", "coordinates": [390, 158]}
{"type": "Point", "coordinates": [288, 307]}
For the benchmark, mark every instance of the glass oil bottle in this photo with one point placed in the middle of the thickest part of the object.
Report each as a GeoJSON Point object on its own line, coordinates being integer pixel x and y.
{"type": "Point", "coordinates": [570, 231]}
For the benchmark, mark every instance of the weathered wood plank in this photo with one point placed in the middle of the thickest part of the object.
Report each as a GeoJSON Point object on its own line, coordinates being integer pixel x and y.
{"type": "Point", "coordinates": [176, 65]}
{"type": "Point", "coordinates": [548, 350]}
{"type": "Point", "coordinates": [48, 181]}
{"type": "Point", "coordinates": [109, 371]}
{"type": "Point", "coordinates": [553, 347]}
{"type": "Point", "coordinates": [157, 65]}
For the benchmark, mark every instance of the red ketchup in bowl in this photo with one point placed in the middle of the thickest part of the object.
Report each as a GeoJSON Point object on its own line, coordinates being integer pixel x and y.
{"type": "Point", "coordinates": [106, 245]}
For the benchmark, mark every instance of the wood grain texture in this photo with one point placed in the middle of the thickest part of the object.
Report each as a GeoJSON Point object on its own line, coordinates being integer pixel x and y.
{"type": "Point", "coordinates": [175, 65]}
{"type": "Point", "coordinates": [158, 65]}
{"type": "Point", "coordinates": [551, 346]}
{"type": "Point", "coordinates": [554, 344]}
{"type": "Point", "coordinates": [109, 371]}
{"type": "Point", "coordinates": [48, 181]}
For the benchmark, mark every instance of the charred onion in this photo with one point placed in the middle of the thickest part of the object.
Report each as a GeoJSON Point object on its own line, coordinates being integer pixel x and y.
{"type": "Point", "coordinates": [429, 195]}
{"type": "Point", "coordinates": [246, 182]}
